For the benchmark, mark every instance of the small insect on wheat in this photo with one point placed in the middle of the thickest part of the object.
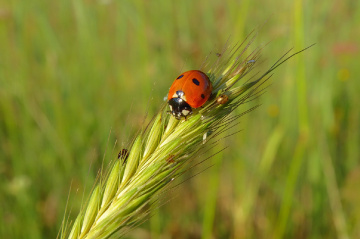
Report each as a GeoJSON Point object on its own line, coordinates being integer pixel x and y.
{"type": "Point", "coordinates": [123, 155]}
{"type": "Point", "coordinates": [222, 99]}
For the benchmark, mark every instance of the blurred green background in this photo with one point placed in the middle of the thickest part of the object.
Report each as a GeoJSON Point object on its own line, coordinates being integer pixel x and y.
{"type": "Point", "coordinates": [72, 71]}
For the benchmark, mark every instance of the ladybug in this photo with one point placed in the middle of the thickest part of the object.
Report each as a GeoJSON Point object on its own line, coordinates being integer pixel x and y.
{"type": "Point", "coordinates": [190, 90]}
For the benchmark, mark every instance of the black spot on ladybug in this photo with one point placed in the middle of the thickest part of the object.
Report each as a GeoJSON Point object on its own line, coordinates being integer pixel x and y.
{"type": "Point", "coordinates": [180, 77]}
{"type": "Point", "coordinates": [203, 96]}
{"type": "Point", "coordinates": [195, 81]}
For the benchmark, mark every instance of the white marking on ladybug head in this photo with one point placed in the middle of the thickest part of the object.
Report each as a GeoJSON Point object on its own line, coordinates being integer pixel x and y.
{"type": "Point", "coordinates": [171, 109]}
{"type": "Point", "coordinates": [180, 93]}
{"type": "Point", "coordinates": [185, 112]}
{"type": "Point", "coordinates": [181, 96]}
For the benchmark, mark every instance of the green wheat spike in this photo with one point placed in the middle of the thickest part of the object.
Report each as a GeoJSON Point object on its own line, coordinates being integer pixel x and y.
{"type": "Point", "coordinates": [161, 152]}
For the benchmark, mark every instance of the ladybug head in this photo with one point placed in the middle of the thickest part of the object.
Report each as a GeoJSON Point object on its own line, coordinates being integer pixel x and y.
{"type": "Point", "coordinates": [179, 108]}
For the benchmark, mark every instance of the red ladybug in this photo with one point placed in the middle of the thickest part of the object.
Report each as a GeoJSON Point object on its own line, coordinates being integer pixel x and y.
{"type": "Point", "coordinates": [190, 90]}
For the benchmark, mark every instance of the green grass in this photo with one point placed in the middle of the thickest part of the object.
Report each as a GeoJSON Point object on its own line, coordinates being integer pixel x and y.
{"type": "Point", "coordinates": [71, 71]}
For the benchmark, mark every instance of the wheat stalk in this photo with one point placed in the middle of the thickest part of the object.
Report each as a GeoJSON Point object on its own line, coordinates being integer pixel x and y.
{"type": "Point", "coordinates": [164, 149]}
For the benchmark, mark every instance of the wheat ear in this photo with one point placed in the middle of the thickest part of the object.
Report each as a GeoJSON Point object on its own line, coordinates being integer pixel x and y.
{"type": "Point", "coordinates": [163, 150]}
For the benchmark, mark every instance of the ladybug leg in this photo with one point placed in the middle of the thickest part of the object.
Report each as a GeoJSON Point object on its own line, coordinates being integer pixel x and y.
{"type": "Point", "coordinates": [211, 96]}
